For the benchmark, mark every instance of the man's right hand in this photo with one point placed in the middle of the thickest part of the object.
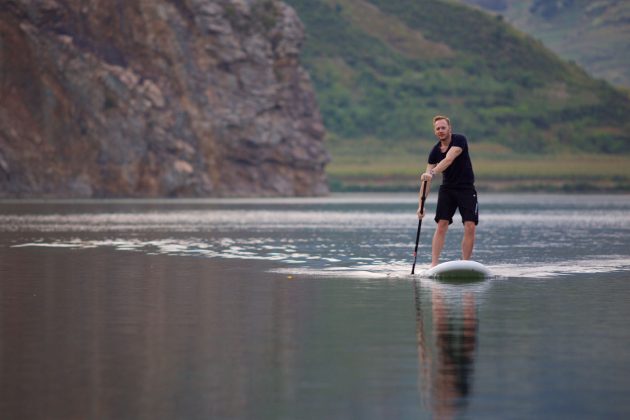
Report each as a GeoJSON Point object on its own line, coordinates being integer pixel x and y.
{"type": "Point", "coordinates": [420, 213]}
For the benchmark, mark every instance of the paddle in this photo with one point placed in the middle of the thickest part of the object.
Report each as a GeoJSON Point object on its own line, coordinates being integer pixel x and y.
{"type": "Point", "coordinates": [415, 251]}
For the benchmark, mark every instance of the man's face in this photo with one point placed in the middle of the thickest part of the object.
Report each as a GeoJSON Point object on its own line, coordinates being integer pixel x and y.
{"type": "Point", "coordinates": [442, 129]}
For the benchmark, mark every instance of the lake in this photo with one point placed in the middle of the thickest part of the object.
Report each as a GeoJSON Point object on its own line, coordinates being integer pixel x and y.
{"type": "Point", "coordinates": [305, 309]}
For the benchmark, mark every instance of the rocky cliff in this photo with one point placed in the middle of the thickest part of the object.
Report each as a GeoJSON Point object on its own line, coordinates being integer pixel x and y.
{"type": "Point", "coordinates": [147, 98]}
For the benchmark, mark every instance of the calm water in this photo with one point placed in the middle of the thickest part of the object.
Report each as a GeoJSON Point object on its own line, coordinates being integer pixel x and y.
{"type": "Point", "coordinates": [305, 309]}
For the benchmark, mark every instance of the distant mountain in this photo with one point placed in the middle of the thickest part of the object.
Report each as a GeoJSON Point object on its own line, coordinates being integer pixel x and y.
{"type": "Point", "coordinates": [595, 34]}
{"type": "Point", "coordinates": [383, 68]}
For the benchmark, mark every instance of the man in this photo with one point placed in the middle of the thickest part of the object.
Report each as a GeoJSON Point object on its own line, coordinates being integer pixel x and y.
{"type": "Point", "coordinates": [450, 157]}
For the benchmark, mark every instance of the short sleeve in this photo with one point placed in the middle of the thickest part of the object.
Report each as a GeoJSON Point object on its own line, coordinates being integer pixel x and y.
{"type": "Point", "coordinates": [434, 156]}
{"type": "Point", "coordinates": [459, 141]}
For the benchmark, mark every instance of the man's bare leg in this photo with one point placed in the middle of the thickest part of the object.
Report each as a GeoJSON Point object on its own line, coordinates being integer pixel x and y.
{"type": "Point", "coordinates": [438, 241]}
{"type": "Point", "coordinates": [468, 242]}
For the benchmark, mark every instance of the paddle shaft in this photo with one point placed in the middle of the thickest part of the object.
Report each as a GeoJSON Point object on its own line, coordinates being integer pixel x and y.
{"type": "Point", "coordinates": [415, 251]}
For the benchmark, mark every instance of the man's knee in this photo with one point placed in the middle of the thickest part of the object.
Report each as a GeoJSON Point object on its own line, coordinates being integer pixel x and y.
{"type": "Point", "coordinates": [469, 228]}
{"type": "Point", "coordinates": [442, 226]}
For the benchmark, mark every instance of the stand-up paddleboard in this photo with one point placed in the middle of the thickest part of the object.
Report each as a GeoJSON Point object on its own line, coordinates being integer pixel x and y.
{"type": "Point", "coordinates": [460, 270]}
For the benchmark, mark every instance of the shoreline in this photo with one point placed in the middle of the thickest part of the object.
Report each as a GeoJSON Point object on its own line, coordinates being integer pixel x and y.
{"type": "Point", "coordinates": [399, 184]}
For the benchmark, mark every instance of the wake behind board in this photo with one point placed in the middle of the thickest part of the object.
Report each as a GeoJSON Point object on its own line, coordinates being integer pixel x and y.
{"type": "Point", "coordinates": [459, 270]}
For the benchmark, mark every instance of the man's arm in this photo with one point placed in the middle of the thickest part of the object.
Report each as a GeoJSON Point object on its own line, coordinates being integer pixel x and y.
{"type": "Point", "coordinates": [443, 165]}
{"type": "Point", "coordinates": [420, 211]}
{"type": "Point", "coordinates": [447, 161]}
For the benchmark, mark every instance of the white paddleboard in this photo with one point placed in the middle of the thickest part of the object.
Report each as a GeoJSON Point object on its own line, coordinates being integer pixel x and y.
{"type": "Point", "coordinates": [459, 270]}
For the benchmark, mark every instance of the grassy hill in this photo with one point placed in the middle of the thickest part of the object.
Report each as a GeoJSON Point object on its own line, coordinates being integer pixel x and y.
{"type": "Point", "coordinates": [595, 34]}
{"type": "Point", "coordinates": [383, 68]}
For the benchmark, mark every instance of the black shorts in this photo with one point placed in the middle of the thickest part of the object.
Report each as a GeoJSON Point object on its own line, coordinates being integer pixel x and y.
{"type": "Point", "coordinates": [463, 198]}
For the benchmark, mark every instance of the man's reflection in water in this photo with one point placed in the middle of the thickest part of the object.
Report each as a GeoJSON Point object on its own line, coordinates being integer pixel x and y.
{"type": "Point", "coordinates": [446, 328]}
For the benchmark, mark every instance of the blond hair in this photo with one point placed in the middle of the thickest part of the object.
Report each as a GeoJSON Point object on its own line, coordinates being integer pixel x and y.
{"type": "Point", "coordinates": [441, 117]}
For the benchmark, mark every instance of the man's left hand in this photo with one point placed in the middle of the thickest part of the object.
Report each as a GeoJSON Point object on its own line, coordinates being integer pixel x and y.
{"type": "Point", "coordinates": [426, 177]}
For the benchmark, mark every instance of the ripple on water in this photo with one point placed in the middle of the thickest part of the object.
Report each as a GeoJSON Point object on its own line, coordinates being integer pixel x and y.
{"type": "Point", "coordinates": [342, 265]}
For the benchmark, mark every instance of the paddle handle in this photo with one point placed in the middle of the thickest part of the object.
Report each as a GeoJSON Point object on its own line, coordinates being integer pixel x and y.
{"type": "Point", "coordinates": [415, 250]}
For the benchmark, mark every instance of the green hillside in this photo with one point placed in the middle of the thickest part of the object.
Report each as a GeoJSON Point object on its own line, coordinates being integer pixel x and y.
{"type": "Point", "coordinates": [595, 34]}
{"type": "Point", "coordinates": [383, 68]}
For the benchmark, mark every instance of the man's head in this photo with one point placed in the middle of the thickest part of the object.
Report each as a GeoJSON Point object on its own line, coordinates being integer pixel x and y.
{"type": "Point", "coordinates": [441, 127]}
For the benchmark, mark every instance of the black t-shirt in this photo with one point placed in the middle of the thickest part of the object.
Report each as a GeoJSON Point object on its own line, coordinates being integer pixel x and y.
{"type": "Point", "coordinates": [460, 172]}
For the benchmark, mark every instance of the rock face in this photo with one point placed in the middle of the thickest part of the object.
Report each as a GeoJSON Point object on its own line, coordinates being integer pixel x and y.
{"type": "Point", "coordinates": [148, 98]}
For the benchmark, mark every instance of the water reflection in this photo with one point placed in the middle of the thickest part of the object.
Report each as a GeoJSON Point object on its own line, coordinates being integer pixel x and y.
{"type": "Point", "coordinates": [446, 331]}
{"type": "Point", "coordinates": [103, 335]}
